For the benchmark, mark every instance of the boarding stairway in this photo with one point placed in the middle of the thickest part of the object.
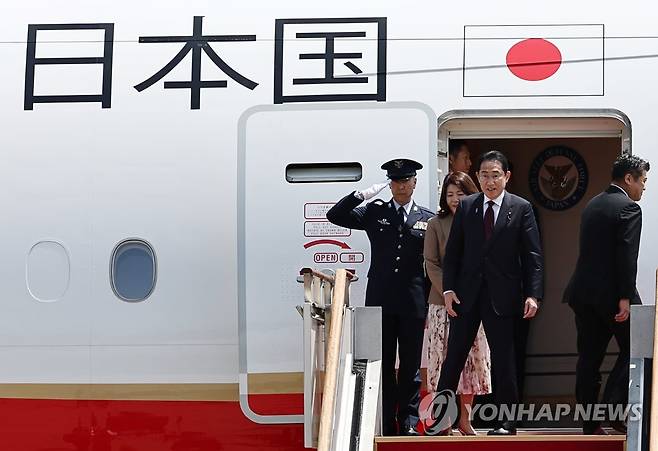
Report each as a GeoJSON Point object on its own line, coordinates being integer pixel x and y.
{"type": "Point", "coordinates": [342, 365]}
{"type": "Point", "coordinates": [342, 382]}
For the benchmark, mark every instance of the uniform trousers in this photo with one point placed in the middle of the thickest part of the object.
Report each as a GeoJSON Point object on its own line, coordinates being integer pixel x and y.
{"type": "Point", "coordinates": [401, 393]}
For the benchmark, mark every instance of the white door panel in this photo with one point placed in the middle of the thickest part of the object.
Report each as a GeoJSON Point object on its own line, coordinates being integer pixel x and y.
{"type": "Point", "coordinates": [274, 225]}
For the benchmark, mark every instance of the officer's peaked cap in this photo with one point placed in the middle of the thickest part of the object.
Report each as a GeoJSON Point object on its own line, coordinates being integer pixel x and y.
{"type": "Point", "coordinates": [401, 168]}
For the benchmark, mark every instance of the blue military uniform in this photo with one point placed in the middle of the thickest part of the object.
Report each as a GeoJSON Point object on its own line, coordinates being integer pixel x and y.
{"type": "Point", "coordinates": [396, 282]}
{"type": "Point", "coordinates": [396, 278]}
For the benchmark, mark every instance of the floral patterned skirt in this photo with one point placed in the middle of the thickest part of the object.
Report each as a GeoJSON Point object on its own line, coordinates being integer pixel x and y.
{"type": "Point", "coordinates": [476, 376]}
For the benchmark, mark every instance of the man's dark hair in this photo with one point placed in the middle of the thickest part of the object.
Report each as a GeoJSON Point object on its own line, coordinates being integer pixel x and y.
{"type": "Point", "coordinates": [628, 164]}
{"type": "Point", "coordinates": [494, 155]}
{"type": "Point", "coordinates": [454, 146]}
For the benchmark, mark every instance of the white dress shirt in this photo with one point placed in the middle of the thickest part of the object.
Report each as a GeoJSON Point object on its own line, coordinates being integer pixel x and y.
{"type": "Point", "coordinates": [498, 202]}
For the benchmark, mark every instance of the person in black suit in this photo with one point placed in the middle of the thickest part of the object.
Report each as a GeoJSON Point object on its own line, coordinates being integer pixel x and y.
{"type": "Point", "coordinates": [493, 272]}
{"type": "Point", "coordinates": [396, 282]}
{"type": "Point", "coordinates": [602, 286]}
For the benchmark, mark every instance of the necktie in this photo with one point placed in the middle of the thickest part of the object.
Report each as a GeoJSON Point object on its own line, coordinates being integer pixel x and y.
{"type": "Point", "coordinates": [489, 221]}
{"type": "Point", "coordinates": [401, 215]}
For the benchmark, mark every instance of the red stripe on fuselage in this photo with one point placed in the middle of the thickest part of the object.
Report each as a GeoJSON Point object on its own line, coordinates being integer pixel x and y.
{"type": "Point", "coordinates": [79, 425]}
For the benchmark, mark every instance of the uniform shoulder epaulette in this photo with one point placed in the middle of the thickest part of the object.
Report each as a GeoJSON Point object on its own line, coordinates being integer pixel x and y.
{"type": "Point", "coordinates": [378, 202]}
{"type": "Point", "coordinates": [426, 210]}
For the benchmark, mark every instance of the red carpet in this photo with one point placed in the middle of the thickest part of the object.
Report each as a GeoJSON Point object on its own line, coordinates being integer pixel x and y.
{"type": "Point", "coordinates": [519, 443]}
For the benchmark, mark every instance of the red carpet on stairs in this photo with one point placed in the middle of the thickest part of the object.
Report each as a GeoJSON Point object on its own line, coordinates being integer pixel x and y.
{"type": "Point", "coordinates": [518, 443]}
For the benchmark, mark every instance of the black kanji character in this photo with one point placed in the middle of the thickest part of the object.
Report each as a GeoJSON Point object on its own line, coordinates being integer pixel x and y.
{"type": "Point", "coordinates": [195, 44]}
{"type": "Point", "coordinates": [358, 86]}
{"type": "Point", "coordinates": [329, 56]}
{"type": "Point", "coordinates": [32, 61]}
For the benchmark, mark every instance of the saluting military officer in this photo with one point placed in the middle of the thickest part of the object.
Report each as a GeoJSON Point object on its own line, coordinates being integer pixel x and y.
{"type": "Point", "coordinates": [396, 282]}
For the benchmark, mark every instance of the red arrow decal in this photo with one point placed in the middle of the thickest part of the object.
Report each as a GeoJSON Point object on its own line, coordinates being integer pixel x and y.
{"type": "Point", "coordinates": [340, 244]}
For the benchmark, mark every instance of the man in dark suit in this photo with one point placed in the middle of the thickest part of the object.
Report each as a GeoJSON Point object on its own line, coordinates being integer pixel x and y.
{"type": "Point", "coordinates": [493, 272]}
{"type": "Point", "coordinates": [396, 282]}
{"type": "Point", "coordinates": [602, 286]}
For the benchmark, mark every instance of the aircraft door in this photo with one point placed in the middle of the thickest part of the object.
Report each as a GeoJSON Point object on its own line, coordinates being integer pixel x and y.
{"type": "Point", "coordinates": [294, 163]}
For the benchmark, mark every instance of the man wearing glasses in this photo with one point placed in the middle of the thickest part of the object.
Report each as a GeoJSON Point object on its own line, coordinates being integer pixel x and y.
{"type": "Point", "coordinates": [396, 282]}
{"type": "Point", "coordinates": [492, 273]}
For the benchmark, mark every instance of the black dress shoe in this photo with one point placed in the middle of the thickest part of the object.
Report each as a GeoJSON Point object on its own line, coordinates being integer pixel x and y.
{"type": "Point", "coordinates": [503, 430]}
{"type": "Point", "coordinates": [409, 432]}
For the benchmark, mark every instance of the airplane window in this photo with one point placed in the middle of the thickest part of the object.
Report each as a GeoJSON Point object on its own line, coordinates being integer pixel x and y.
{"type": "Point", "coordinates": [323, 172]}
{"type": "Point", "coordinates": [133, 270]}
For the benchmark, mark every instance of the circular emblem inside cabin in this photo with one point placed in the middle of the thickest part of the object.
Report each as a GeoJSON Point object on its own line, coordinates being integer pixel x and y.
{"type": "Point", "coordinates": [558, 178]}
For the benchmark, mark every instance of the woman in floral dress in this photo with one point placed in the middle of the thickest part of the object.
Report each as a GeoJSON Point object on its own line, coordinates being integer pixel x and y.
{"type": "Point", "coordinates": [476, 375]}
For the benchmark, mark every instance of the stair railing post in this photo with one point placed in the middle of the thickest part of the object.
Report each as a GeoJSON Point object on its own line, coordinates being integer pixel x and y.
{"type": "Point", "coordinates": [653, 420]}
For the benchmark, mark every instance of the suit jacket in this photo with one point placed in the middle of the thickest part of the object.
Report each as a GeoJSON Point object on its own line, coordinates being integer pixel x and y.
{"type": "Point", "coordinates": [438, 230]}
{"type": "Point", "coordinates": [607, 260]}
{"type": "Point", "coordinates": [396, 278]}
{"type": "Point", "coordinates": [511, 262]}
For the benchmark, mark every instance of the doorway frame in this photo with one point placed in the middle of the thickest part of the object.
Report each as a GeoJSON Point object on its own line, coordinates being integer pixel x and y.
{"type": "Point", "coordinates": [533, 123]}
{"type": "Point", "coordinates": [444, 132]}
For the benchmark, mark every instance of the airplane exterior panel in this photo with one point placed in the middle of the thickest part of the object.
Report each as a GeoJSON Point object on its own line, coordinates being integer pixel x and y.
{"type": "Point", "coordinates": [115, 125]}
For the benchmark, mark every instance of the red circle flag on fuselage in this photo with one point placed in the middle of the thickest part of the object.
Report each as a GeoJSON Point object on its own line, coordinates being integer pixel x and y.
{"type": "Point", "coordinates": [534, 59]}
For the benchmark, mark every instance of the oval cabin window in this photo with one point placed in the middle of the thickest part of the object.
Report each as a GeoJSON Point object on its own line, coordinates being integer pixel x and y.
{"type": "Point", "coordinates": [133, 270]}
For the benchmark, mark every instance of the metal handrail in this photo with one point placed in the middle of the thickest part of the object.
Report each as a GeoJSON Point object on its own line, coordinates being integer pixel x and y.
{"type": "Point", "coordinates": [653, 424]}
{"type": "Point", "coordinates": [320, 275]}
{"type": "Point", "coordinates": [327, 413]}
{"type": "Point", "coordinates": [326, 277]}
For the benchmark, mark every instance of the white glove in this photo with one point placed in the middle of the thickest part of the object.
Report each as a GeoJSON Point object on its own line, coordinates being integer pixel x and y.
{"type": "Point", "coordinates": [372, 191]}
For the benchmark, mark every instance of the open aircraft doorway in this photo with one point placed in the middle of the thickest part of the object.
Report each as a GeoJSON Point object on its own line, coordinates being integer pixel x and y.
{"type": "Point", "coordinates": [560, 159]}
